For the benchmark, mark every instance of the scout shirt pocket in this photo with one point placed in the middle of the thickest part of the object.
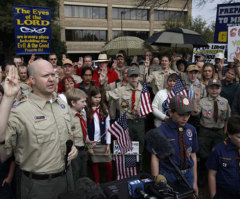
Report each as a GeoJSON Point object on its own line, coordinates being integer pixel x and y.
{"type": "Point", "coordinates": [126, 100]}
{"type": "Point", "coordinates": [44, 132]}
{"type": "Point", "coordinates": [207, 112]}
{"type": "Point", "coordinates": [222, 111]}
{"type": "Point", "coordinates": [228, 166]}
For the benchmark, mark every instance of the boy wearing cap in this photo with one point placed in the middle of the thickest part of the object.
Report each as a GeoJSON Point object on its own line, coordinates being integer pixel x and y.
{"type": "Point", "coordinates": [223, 164]}
{"type": "Point", "coordinates": [183, 138]}
{"type": "Point", "coordinates": [214, 111]}
{"type": "Point", "coordinates": [129, 101]}
{"type": "Point", "coordinates": [194, 87]}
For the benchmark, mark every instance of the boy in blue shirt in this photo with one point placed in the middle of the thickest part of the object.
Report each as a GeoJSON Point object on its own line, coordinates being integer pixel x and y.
{"type": "Point", "coordinates": [224, 164]}
{"type": "Point", "coordinates": [183, 137]}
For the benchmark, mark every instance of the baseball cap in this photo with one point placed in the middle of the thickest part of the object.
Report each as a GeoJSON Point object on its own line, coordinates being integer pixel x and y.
{"type": "Point", "coordinates": [199, 54]}
{"type": "Point", "coordinates": [214, 82]}
{"type": "Point", "coordinates": [134, 63]}
{"type": "Point", "coordinates": [119, 55]}
{"type": "Point", "coordinates": [181, 104]}
{"type": "Point", "coordinates": [133, 70]}
{"type": "Point", "coordinates": [219, 56]}
{"type": "Point", "coordinates": [192, 68]}
{"type": "Point", "coordinates": [67, 61]}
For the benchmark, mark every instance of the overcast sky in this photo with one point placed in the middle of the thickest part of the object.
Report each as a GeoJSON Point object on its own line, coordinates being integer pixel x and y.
{"type": "Point", "coordinates": [207, 12]}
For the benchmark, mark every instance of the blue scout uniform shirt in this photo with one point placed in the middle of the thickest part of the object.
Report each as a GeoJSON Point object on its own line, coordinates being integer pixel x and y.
{"type": "Point", "coordinates": [225, 160]}
{"type": "Point", "coordinates": [170, 130]}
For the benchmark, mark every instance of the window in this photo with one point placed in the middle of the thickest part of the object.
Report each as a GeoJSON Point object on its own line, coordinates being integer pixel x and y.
{"type": "Point", "coordinates": [130, 14]}
{"type": "Point", "coordinates": [86, 35]}
{"type": "Point", "coordinates": [141, 34]}
{"type": "Point", "coordinates": [85, 12]}
{"type": "Point", "coordinates": [164, 15]}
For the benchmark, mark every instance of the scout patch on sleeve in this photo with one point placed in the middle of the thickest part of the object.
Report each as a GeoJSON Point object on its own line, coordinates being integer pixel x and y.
{"type": "Point", "coordinates": [63, 106]}
{"type": "Point", "coordinates": [189, 133]}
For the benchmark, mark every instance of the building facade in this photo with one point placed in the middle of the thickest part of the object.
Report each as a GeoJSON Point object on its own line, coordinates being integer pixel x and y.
{"type": "Point", "coordinates": [88, 25]}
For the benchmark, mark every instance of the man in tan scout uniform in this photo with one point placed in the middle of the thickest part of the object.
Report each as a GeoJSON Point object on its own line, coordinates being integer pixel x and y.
{"type": "Point", "coordinates": [129, 100]}
{"type": "Point", "coordinates": [158, 79]}
{"type": "Point", "coordinates": [37, 131]}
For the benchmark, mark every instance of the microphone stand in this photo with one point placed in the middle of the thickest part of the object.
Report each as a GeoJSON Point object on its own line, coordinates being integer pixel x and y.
{"type": "Point", "coordinates": [178, 171]}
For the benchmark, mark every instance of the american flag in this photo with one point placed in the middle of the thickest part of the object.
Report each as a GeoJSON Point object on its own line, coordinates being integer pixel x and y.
{"type": "Point", "coordinates": [119, 129]}
{"type": "Point", "coordinates": [178, 89]}
{"type": "Point", "coordinates": [146, 104]}
{"type": "Point", "coordinates": [126, 166]}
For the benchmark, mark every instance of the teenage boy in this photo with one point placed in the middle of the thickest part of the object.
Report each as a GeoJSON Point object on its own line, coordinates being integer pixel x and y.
{"type": "Point", "coordinates": [129, 100]}
{"type": "Point", "coordinates": [223, 164]}
{"type": "Point", "coordinates": [183, 138]}
{"type": "Point", "coordinates": [77, 100]}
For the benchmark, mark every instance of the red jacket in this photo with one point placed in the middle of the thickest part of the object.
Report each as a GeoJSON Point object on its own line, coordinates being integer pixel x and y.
{"type": "Point", "coordinates": [112, 76]}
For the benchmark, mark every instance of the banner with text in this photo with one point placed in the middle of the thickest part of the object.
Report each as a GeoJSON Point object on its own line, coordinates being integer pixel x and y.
{"type": "Point", "coordinates": [32, 30]}
{"type": "Point", "coordinates": [227, 15]}
{"type": "Point", "coordinates": [233, 42]}
{"type": "Point", "coordinates": [210, 51]}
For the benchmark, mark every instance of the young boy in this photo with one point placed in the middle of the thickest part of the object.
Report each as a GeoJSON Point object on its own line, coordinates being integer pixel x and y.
{"type": "Point", "coordinates": [77, 100]}
{"type": "Point", "coordinates": [214, 111]}
{"type": "Point", "coordinates": [223, 164]}
{"type": "Point", "coordinates": [183, 138]}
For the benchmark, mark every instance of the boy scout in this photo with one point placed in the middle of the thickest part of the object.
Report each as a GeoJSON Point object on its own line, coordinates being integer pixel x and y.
{"type": "Point", "coordinates": [194, 88]}
{"type": "Point", "coordinates": [37, 131]}
{"type": "Point", "coordinates": [77, 100]}
{"type": "Point", "coordinates": [223, 164]}
{"type": "Point", "coordinates": [129, 100]}
{"type": "Point", "coordinates": [158, 79]}
{"type": "Point", "coordinates": [215, 111]}
{"type": "Point", "coordinates": [183, 137]}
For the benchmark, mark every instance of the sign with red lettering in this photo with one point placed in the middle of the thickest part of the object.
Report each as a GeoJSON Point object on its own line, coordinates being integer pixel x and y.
{"type": "Point", "coordinates": [233, 42]}
{"type": "Point", "coordinates": [32, 30]}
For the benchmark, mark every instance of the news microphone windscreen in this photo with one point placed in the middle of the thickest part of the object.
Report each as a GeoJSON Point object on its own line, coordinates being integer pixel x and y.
{"type": "Point", "coordinates": [159, 144]}
{"type": "Point", "coordinates": [88, 189]}
{"type": "Point", "coordinates": [160, 178]}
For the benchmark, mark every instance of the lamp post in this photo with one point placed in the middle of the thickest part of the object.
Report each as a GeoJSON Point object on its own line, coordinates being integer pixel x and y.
{"type": "Point", "coordinates": [122, 13]}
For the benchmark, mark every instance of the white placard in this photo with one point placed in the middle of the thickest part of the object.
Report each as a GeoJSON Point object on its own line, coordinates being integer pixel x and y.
{"type": "Point", "coordinates": [134, 151]}
{"type": "Point", "coordinates": [210, 52]}
{"type": "Point", "coordinates": [233, 42]}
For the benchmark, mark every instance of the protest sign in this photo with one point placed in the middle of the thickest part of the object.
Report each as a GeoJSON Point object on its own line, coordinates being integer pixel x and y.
{"type": "Point", "coordinates": [227, 15]}
{"type": "Point", "coordinates": [233, 42]}
{"type": "Point", "coordinates": [32, 30]}
{"type": "Point", "coordinates": [210, 51]}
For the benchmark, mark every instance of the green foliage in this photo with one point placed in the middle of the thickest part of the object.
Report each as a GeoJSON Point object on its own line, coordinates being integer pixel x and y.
{"type": "Point", "coordinates": [7, 25]}
{"type": "Point", "coordinates": [198, 25]}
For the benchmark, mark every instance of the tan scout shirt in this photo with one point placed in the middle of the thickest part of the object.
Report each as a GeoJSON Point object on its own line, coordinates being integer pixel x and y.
{"type": "Point", "coordinates": [77, 128]}
{"type": "Point", "coordinates": [37, 133]}
{"type": "Point", "coordinates": [124, 97]}
{"type": "Point", "coordinates": [143, 70]}
{"type": "Point", "coordinates": [207, 110]}
{"type": "Point", "coordinates": [158, 80]}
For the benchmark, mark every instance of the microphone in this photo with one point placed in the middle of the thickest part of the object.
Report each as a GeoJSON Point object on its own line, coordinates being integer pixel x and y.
{"type": "Point", "coordinates": [69, 144]}
{"type": "Point", "coordinates": [159, 144]}
{"type": "Point", "coordinates": [136, 190]}
{"type": "Point", "coordinates": [111, 192]}
{"type": "Point", "coordinates": [160, 178]}
{"type": "Point", "coordinates": [161, 147]}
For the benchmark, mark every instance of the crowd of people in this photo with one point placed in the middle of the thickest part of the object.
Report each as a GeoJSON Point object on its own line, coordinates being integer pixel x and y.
{"type": "Point", "coordinates": [43, 105]}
